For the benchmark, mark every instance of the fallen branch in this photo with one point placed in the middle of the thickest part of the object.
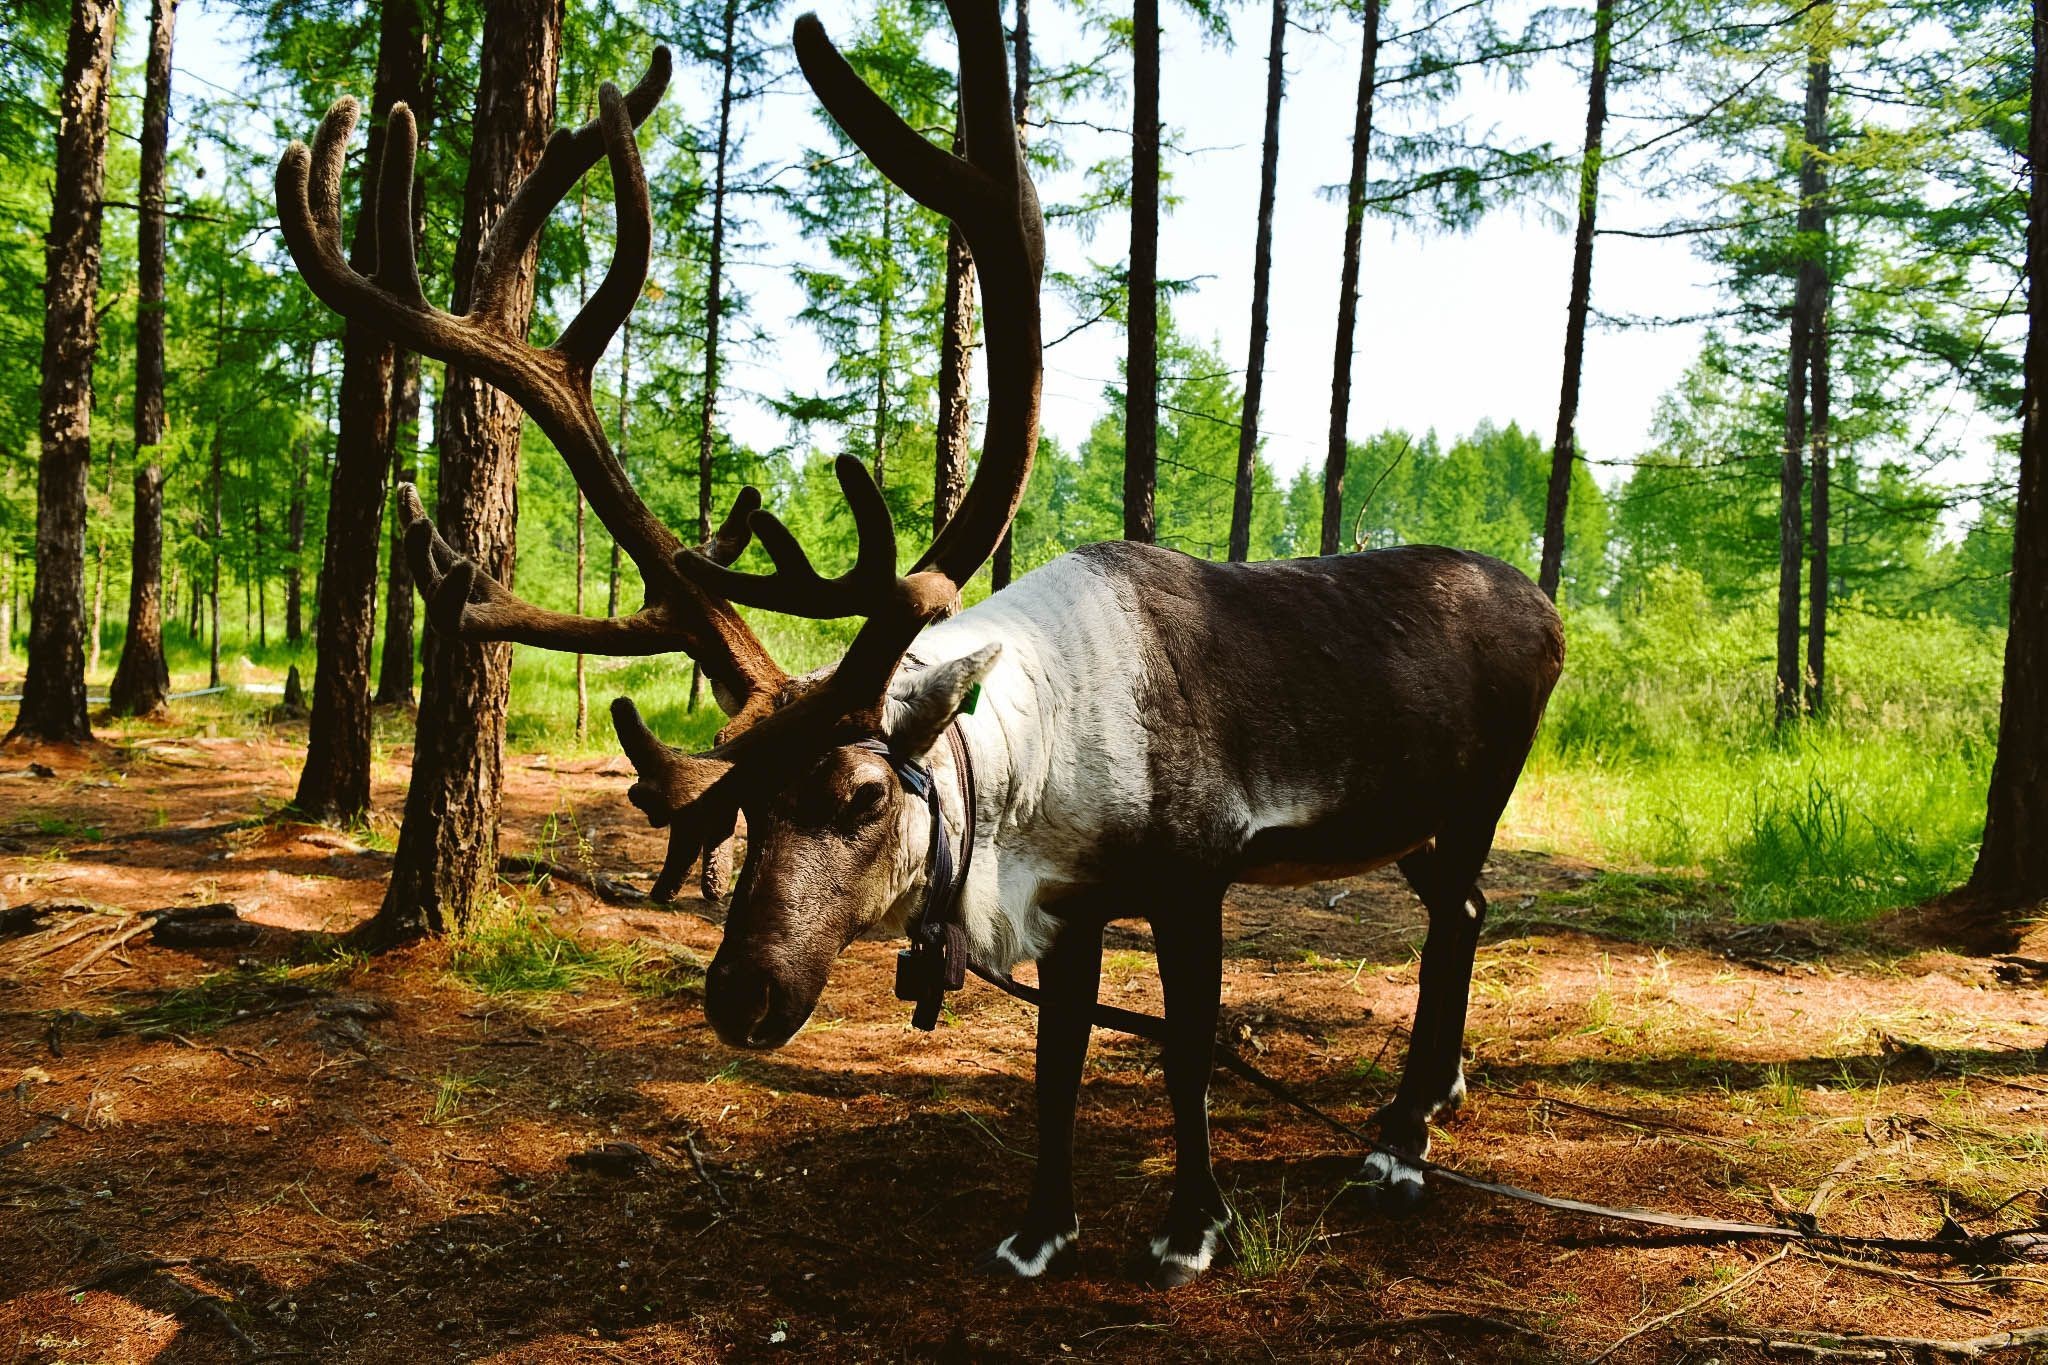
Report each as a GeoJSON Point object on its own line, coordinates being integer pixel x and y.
{"type": "Point", "coordinates": [607, 889]}
{"type": "Point", "coordinates": [1856, 1346]}
{"type": "Point", "coordinates": [1686, 1310]}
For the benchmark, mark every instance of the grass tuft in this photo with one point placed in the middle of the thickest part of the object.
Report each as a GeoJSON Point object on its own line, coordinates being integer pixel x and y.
{"type": "Point", "coordinates": [513, 950]}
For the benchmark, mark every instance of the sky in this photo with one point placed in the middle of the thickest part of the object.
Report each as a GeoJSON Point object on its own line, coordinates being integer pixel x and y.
{"type": "Point", "coordinates": [1454, 329]}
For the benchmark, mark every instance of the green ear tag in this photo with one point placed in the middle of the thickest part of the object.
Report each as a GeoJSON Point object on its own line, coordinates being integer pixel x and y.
{"type": "Point", "coordinates": [973, 700]}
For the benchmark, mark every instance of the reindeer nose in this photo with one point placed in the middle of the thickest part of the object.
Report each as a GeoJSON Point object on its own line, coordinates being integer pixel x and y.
{"type": "Point", "coordinates": [738, 998]}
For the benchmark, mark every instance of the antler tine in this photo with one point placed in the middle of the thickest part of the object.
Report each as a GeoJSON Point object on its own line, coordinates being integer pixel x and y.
{"type": "Point", "coordinates": [736, 532]}
{"type": "Point", "coordinates": [988, 128]}
{"type": "Point", "coordinates": [796, 588]}
{"type": "Point", "coordinates": [926, 172]}
{"type": "Point", "coordinates": [309, 204]}
{"type": "Point", "coordinates": [592, 329]}
{"type": "Point", "coordinates": [464, 601]}
{"type": "Point", "coordinates": [565, 160]}
{"type": "Point", "coordinates": [398, 272]}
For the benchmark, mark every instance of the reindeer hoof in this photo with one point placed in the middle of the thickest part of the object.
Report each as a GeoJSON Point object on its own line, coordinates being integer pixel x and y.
{"type": "Point", "coordinates": [1178, 1257]}
{"type": "Point", "coordinates": [1026, 1255]}
{"type": "Point", "coordinates": [1391, 1185]}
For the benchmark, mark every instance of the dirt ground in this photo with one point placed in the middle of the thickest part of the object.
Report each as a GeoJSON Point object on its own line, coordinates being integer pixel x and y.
{"type": "Point", "coordinates": [271, 1151]}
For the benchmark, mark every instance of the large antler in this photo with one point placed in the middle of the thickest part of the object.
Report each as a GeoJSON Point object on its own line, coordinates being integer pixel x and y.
{"type": "Point", "coordinates": [990, 195]}
{"type": "Point", "coordinates": [552, 383]}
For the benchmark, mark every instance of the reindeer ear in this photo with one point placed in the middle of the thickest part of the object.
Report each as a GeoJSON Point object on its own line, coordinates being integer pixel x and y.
{"type": "Point", "coordinates": [921, 706]}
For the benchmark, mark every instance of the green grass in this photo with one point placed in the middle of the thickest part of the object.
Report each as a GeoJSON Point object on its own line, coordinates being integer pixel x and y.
{"type": "Point", "coordinates": [1270, 1243]}
{"type": "Point", "coordinates": [223, 997]}
{"type": "Point", "coordinates": [515, 951]}
{"type": "Point", "coordinates": [1659, 754]}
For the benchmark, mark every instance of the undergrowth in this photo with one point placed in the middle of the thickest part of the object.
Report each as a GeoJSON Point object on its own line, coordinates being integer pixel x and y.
{"type": "Point", "coordinates": [513, 949]}
{"type": "Point", "coordinates": [1659, 753]}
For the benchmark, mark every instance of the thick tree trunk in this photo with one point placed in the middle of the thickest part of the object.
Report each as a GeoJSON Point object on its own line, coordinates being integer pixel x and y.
{"type": "Point", "coordinates": [1262, 277]}
{"type": "Point", "coordinates": [1808, 297]}
{"type": "Point", "coordinates": [1564, 448]}
{"type": "Point", "coordinates": [1347, 290]}
{"type": "Point", "coordinates": [53, 696]}
{"type": "Point", "coordinates": [1817, 566]}
{"type": "Point", "coordinates": [394, 669]}
{"type": "Point", "coordinates": [447, 858]}
{"type": "Point", "coordinates": [1003, 563]}
{"type": "Point", "coordinates": [2010, 881]}
{"type": "Point", "coordinates": [335, 784]}
{"type": "Point", "coordinates": [142, 680]}
{"type": "Point", "coordinates": [1141, 354]}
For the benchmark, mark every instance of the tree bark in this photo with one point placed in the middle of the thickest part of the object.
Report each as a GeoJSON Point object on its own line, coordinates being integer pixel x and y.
{"type": "Point", "coordinates": [98, 514]}
{"type": "Point", "coordinates": [53, 695]}
{"type": "Point", "coordinates": [1141, 354]}
{"type": "Point", "coordinates": [447, 857]}
{"type": "Point", "coordinates": [625, 369]}
{"type": "Point", "coordinates": [2010, 880]}
{"type": "Point", "coordinates": [1262, 277]}
{"type": "Point", "coordinates": [1001, 566]}
{"type": "Point", "coordinates": [1808, 295]}
{"type": "Point", "coordinates": [335, 784]}
{"type": "Point", "coordinates": [394, 669]}
{"type": "Point", "coordinates": [1347, 290]}
{"type": "Point", "coordinates": [956, 378]}
{"type": "Point", "coordinates": [1817, 566]}
{"type": "Point", "coordinates": [714, 297]}
{"type": "Point", "coordinates": [142, 681]}
{"type": "Point", "coordinates": [213, 548]}
{"type": "Point", "coordinates": [1564, 449]}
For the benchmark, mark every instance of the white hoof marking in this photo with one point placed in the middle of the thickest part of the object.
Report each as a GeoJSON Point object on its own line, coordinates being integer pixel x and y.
{"type": "Point", "coordinates": [1383, 1168]}
{"type": "Point", "coordinates": [1196, 1261]}
{"type": "Point", "coordinates": [1032, 1268]}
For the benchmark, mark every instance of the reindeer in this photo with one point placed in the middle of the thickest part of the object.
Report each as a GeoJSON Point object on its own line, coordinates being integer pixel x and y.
{"type": "Point", "coordinates": [1153, 729]}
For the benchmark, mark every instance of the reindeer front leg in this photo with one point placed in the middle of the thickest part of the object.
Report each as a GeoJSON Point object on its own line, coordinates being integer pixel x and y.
{"type": "Point", "coordinates": [1190, 948]}
{"type": "Point", "coordinates": [1070, 974]}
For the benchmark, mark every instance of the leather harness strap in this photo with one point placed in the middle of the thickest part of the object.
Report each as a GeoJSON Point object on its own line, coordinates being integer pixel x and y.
{"type": "Point", "coordinates": [937, 959]}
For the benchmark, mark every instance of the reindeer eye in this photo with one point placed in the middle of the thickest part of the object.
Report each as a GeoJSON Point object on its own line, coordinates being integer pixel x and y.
{"type": "Point", "coordinates": [867, 801]}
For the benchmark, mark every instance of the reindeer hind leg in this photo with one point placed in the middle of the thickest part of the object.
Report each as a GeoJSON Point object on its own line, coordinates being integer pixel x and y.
{"type": "Point", "coordinates": [1445, 875]}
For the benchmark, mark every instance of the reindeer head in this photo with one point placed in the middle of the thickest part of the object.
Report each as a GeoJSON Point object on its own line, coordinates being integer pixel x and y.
{"type": "Point", "coordinates": [835, 845]}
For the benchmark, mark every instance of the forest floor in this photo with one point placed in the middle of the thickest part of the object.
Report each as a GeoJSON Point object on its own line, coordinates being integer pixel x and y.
{"type": "Point", "coordinates": [275, 1150]}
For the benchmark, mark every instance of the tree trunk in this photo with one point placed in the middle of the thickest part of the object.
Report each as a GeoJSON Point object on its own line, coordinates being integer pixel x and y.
{"type": "Point", "coordinates": [956, 379]}
{"type": "Point", "coordinates": [625, 367]}
{"type": "Point", "coordinates": [1001, 565]}
{"type": "Point", "coordinates": [1141, 354]}
{"type": "Point", "coordinates": [1565, 448]}
{"type": "Point", "coordinates": [714, 300]}
{"type": "Point", "coordinates": [335, 784]}
{"type": "Point", "coordinates": [1347, 290]}
{"type": "Point", "coordinates": [213, 547]}
{"type": "Point", "coordinates": [2010, 880]}
{"type": "Point", "coordinates": [1808, 295]}
{"type": "Point", "coordinates": [1817, 568]}
{"type": "Point", "coordinates": [142, 680]}
{"type": "Point", "coordinates": [99, 516]}
{"type": "Point", "coordinates": [53, 695]}
{"type": "Point", "coordinates": [394, 670]}
{"type": "Point", "coordinates": [1262, 276]}
{"type": "Point", "coordinates": [446, 864]}
{"type": "Point", "coordinates": [883, 345]}
{"type": "Point", "coordinates": [6, 611]}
